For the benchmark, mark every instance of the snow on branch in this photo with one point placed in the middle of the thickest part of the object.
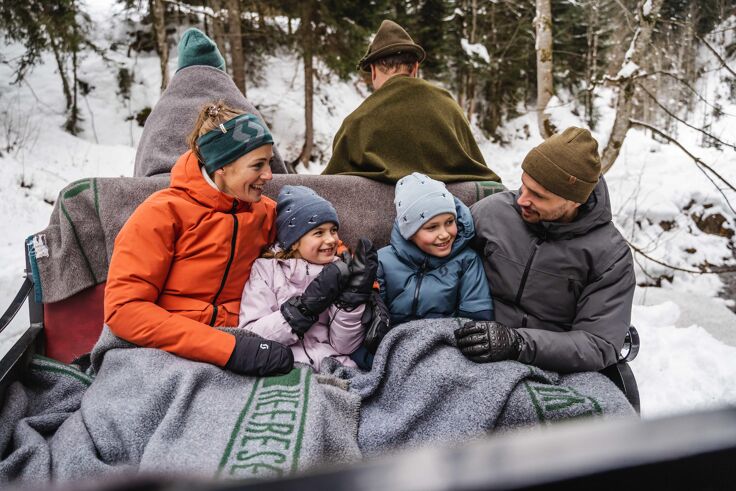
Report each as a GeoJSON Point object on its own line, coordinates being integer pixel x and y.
{"type": "Point", "coordinates": [475, 50]}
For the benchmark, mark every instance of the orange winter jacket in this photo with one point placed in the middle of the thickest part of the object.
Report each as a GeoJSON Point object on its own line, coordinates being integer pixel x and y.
{"type": "Point", "coordinates": [180, 263]}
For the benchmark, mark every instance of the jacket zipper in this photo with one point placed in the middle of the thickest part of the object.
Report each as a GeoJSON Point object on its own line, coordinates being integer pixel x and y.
{"type": "Point", "coordinates": [526, 271]}
{"type": "Point", "coordinates": [229, 261]}
{"type": "Point", "coordinates": [420, 277]}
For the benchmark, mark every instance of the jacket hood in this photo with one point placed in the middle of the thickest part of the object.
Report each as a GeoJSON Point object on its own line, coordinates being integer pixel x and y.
{"type": "Point", "coordinates": [409, 253]}
{"type": "Point", "coordinates": [592, 214]}
{"type": "Point", "coordinates": [187, 176]}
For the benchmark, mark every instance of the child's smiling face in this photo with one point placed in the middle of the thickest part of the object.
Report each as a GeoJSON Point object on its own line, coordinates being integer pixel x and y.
{"type": "Point", "coordinates": [437, 235]}
{"type": "Point", "coordinates": [319, 245]}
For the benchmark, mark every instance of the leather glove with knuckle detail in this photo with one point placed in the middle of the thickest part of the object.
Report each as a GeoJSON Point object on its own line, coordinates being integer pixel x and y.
{"type": "Point", "coordinates": [488, 341]}
{"type": "Point", "coordinates": [302, 311]}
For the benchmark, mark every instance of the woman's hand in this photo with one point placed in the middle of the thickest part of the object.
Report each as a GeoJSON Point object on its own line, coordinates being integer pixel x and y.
{"type": "Point", "coordinates": [257, 356]}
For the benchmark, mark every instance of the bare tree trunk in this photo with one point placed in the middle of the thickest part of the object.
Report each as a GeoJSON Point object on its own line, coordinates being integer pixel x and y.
{"type": "Point", "coordinates": [543, 25]}
{"type": "Point", "coordinates": [158, 12]}
{"type": "Point", "coordinates": [471, 75]}
{"type": "Point", "coordinates": [308, 47]}
{"type": "Point", "coordinates": [591, 60]}
{"type": "Point", "coordinates": [218, 30]}
{"type": "Point", "coordinates": [62, 71]}
{"type": "Point", "coordinates": [236, 44]}
{"type": "Point", "coordinates": [625, 79]}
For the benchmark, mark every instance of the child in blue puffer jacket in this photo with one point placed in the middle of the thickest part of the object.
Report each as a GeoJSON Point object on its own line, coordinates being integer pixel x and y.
{"type": "Point", "coordinates": [430, 270]}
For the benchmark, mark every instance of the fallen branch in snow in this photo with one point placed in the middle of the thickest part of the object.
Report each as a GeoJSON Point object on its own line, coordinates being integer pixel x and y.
{"type": "Point", "coordinates": [677, 268]}
{"type": "Point", "coordinates": [701, 165]}
{"type": "Point", "coordinates": [674, 116]}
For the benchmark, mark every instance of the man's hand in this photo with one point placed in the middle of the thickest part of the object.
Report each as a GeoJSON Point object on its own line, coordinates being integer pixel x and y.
{"type": "Point", "coordinates": [486, 341]}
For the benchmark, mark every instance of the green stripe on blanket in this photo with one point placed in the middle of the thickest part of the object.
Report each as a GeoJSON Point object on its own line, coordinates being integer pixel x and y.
{"type": "Point", "coordinates": [267, 437]}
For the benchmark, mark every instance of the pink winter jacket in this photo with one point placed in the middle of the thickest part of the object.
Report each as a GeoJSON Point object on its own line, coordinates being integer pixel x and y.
{"type": "Point", "coordinates": [272, 282]}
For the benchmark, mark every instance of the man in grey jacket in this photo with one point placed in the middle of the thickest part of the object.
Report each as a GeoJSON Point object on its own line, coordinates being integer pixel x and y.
{"type": "Point", "coordinates": [561, 275]}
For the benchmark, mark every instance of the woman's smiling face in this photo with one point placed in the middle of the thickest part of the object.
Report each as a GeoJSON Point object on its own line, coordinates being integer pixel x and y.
{"type": "Point", "coordinates": [245, 177]}
{"type": "Point", "coordinates": [319, 245]}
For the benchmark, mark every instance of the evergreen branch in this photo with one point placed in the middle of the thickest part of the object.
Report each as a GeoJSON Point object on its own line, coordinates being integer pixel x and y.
{"type": "Point", "coordinates": [673, 116]}
{"type": "Point", "coordinates": [726, 269]}
{"type": "Point", "coordinates": [699, 163]}
{"type": "Point", "coordinates": [190, 9]}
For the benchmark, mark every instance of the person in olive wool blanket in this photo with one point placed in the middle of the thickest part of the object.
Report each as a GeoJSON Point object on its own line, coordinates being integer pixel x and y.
{"type": "Point", "coordinates": [407, 124]}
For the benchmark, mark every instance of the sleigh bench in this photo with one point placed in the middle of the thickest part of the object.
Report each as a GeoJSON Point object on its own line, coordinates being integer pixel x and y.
{"type": "Point", "coordinates": [65, 288]}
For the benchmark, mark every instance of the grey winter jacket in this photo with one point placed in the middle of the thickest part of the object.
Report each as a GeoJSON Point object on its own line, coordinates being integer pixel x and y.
{"type": "Point", "coordinates": [567, 287]}
{"type": "Point", "coordinates": [415, 285]}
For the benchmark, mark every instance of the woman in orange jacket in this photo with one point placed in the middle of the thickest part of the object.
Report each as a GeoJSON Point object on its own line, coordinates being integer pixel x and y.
{"type": "Point", "coordinates": [180, 262]}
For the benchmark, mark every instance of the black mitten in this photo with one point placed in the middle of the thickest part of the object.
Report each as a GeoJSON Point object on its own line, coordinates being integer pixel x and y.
{"type": "Point", "coordinates": [256, 356]}
{"type": "Point", "coordinates": [363, 265]}
{"type": "Point", "coordinates": [376, 322]}
{"type": "Point", "coordinates": [302, 311]}
{"type": "Point", "coordinates": [486, 341]}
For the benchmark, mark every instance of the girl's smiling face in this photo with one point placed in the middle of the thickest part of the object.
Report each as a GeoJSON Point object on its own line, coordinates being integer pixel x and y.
{"type": "Point", "coordinates": [437, 235]}
{"type": "Point", "coordinates": [319, 245]}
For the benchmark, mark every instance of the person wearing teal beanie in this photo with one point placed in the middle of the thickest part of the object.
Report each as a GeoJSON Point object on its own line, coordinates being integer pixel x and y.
{"type": "Point", "coordinates": [196, 48]}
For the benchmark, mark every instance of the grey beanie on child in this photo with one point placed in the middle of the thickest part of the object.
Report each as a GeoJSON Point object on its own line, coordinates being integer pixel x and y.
{"type": "Point", "coordinates": [298, 210]}
{"type": "Point", "coordinates": [418, 199]}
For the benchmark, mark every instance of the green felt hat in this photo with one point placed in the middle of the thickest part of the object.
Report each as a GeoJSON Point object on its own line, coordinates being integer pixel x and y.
{"type": "Point", "coordinates": [391, 39]}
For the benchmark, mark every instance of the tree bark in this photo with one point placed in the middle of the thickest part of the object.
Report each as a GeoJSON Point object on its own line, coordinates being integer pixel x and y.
{"type": "Point", "coordinates": [236, 44]}
{"type": "Point", "coordinates": [218, 30]}
{"type": "Point", "coordinates": [471, 74]}
{"type": "Point", "coordinates": [308, 47]}
{"type": "Point", "coordinates": [591, 60]}
{"type": "Point", "coordinates": [158, 12]}
{"type": "Point", "coordinates": [636, 54]}
{"type": "Point", "coordinates": [543, 26]}
{"type": "Point", "coordinates": [62, 72]}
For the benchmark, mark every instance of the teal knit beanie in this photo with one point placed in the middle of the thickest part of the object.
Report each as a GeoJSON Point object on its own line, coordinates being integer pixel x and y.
{"type": "Point", "coordinates": [195, 48]}
{"type": "Point", "coordinates": [231, 140]}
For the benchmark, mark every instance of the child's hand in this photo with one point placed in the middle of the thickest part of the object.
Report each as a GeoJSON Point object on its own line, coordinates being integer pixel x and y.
{"type": "Point", "coordinates": [363, 266]}
{"type": "Point", "coordinates": [302, 311]}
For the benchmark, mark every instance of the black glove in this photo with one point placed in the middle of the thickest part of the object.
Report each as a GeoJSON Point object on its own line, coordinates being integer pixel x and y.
{"type": "Point", "coordinates": [302, 311]}
{"type": "Point", "coordinates": [484, 341]}
{"type": "Point", "coordinates": [257, 356]}
{"type": "Point", "coordinates": [376, 322]}
{"type": "Point", "coordinates": [363, 265]}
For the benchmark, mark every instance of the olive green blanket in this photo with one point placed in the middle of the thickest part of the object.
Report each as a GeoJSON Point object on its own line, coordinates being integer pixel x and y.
{"type": "Point", "coordinates": [405, 126]}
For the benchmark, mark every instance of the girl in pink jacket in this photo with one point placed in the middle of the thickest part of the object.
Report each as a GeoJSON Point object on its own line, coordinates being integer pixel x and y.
{"type": "Point", "coordinates": [300, 293]}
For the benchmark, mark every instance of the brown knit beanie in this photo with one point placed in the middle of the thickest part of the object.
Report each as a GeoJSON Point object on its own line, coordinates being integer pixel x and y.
{"type": "Point", "coordinates": [566, 164]}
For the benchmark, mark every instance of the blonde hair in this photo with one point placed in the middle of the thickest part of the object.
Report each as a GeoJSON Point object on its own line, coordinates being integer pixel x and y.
{"type": "Point", "coordinates": [281, 253]}
{"type": "Point", "coordinates": [211, 115]}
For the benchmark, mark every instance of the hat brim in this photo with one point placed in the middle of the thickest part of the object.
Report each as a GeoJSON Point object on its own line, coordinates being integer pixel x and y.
{"type": "Point", "coordinates": [392, 49]}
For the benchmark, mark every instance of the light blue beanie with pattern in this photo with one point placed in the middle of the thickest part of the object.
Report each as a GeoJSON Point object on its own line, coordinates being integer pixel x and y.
{"type": "Point", "coordinates": [418, 199]}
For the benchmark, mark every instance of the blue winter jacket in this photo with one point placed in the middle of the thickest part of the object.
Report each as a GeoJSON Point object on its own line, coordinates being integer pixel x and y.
{"type": "Point", "coordinates": [415, 285]}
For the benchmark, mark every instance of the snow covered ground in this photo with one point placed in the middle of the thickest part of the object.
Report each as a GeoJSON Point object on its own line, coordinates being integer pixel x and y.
{"type": "Point", "coordinates": [688, 355]}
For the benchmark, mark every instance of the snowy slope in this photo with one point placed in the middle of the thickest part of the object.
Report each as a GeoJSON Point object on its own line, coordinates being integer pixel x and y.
{"type": "Point", "coordinates": [688, 358]}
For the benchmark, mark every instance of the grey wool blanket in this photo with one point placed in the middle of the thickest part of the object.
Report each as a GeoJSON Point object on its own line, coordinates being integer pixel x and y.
{"type": "Point", "coordinates": [150, 412]}
{"type": "Point", "coordinates": [422, 390]}
{"type": "Point", "coordinates": [172, 119]}
{"type": "Point", "coordinates": [74, 251]}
